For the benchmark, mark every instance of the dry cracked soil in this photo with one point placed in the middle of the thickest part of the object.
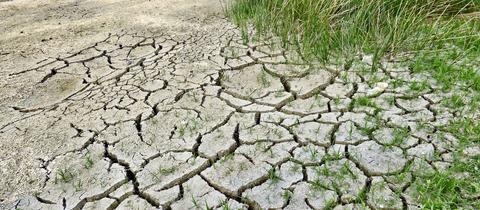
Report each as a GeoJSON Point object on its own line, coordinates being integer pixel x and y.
{"type": "Point", "coordinates": [116, 104]}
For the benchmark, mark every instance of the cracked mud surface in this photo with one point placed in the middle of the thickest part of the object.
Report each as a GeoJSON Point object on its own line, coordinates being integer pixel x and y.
{"type": "Point", "coordinates": [163, 117]}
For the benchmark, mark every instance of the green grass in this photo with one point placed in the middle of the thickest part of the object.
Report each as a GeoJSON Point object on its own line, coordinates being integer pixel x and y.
{"type": "Point", "coordinates": [448, 190]}
{"type": "Point", "coordinates": [439, 38]}
{"type": "Point", "coordinates": [455, 187]}
{"type": "Point", "coordinates": [447, 72]}
{"type": "Point", "coordinates": [365, 101]}
{"type": "Point", "coordinates": [323, 30]}
{"type": "Point", "coordinates": [273, 176]}
{"type": "Point", "coordinates": [64, 175]}
{"type": "Point", "coordinates": [88, 162]}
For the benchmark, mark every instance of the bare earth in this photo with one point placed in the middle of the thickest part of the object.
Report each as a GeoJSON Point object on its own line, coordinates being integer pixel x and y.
{"type": "Point", "coordinates": [159, 104]}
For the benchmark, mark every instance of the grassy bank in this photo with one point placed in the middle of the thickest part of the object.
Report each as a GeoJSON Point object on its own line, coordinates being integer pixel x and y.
{"type": "Point", "coordinates": [330, 29]}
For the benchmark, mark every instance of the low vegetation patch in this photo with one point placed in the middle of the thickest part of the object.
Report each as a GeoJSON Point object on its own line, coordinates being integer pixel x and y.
{"type": "Point", "coordinates": [325, 30]}
{"type": "Point", "coordinates": [440, 38]}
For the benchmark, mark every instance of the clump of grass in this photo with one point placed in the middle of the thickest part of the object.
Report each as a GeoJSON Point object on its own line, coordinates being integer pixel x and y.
{"type": "Point", "coordinates": [365, 101]}
{"type": "Point", "coordinates": [442, 190]}
{"type": "Point", "coordinates": [274, 176]}
{"type": "Point", "coordinates": [456, 187]}
{"type": "Point", "coordinates": [447, 74]}
{"type": "Point", "coordinates": [64, 175]}
{"type": "Point", "coordinates": [323, 29]}
{"type": "Point", "coordinates": [88, 162]}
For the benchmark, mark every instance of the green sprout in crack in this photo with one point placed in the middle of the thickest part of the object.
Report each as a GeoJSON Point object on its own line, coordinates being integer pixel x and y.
{"type": "Point", "coordinates": [374, 80]}
{"type": "Point", "coordinates": [323, 171]}
{"type": "Point", "coordinates": [348, 171]}
{"type": "Point", "coordinates": [286, 195]}
{"type": "Point", "coordinates": [390, 100]}
{"type": "Point", "coordinates": [402, 176]}
{"type": "Point", "coordinates": [278, 133]}
{"type": "Point", "coordinates": [195, 203]}
{"type": "Point", "coordinates": [399, 136]}
{"type": "Point", "coordinates": [337, 100]}
{"type": "Point", "coordinates": [166, 171]}
{"type": "Point", "coordinates": [344, 77]}
{"type": "Point", "coordinates": [270, 152]}
{"type": "Point", "coordinates": [207, 207]}
{"type": "Point", "coordinates": [365, 101]}
{"type": "Point", "coordinates": [88, 162]}
{"type": "Point", "coordinates": [274, 176]}
{"type": "Point", "coordinates": [397, 83]}
{"type": "Point", "coordinates": [225, 205]}
{"type": "Point", "coordinates": [64, 175]}
{"type": "Point", "coordinates": [318, 99]}
{"type": "Point", "coordinates": [317, 185]}
{"type": "Point", "coordinates": [318, 130]}
{"type": "Point", "coordinates": [227, 157]}
{"type": "Point", "coordinates": [243, 166]}
{"type": "Point", "coordinates": [367, 131]}
{"type": "Point", "coordinates": [422, 125]}
{"type": "Point", "coordinates": [330, 204]}
{"type": "Point", "coordinates": [334, 155]}
{"type": "Point", "coordinates": [313, 153]}
{"type": "Point", "coordinates": [181, 131]}
{"type": "Point", "coordinates": [195, 98]}
{"type": "Point", "coordinates": [162, 172]}
{"type": "Point", "coordinates": [350, 131]}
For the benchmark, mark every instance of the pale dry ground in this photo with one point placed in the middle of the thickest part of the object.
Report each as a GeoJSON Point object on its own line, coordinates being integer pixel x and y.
{"type": "Point", "coordinates": [160, 104]}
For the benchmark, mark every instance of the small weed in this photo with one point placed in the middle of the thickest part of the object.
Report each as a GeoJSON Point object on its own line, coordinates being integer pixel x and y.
{"type": "Point", "coordinates": [399, 136]}
{"type": "Point", "coordinates": [330, 204]}
{"type": "Point", "coordinates": [365, 101]}
{"type": "Point", "coordinates": [88, 162]}
{"type": "Point", "coordinates": [313, 153]}
{"type": "Point", "coordinates": [64, 175]}
{"type": "Point", "coordinates": [225, 205]}
{"type": "Point", "coordinates": [419, 86]}
{"type": "Point", "coordinates": [286, 195]}
{"type": "Point", "coordinates": [166, 171]}
{"type": "Point", "coordinates": [195, 202]}
{"type": "Point", "coordinates": [454, 102]}
{"type": "Point", "coordinates": [345, 170]}
{"type": "Point", "coordinates": [274, 176]}
{"type": "Point", "coordinates": [397, 83]}
{"type": "Point", "coordinates": [390, 100]}
{"type": "Point", "coordinates": [336, 100]}
{"type": "Point", "coordinates": [181, 131]}
{"type": "Point", "coordinates": [162, 172]}
{"type": "Point", "coordinates": [317, 185]}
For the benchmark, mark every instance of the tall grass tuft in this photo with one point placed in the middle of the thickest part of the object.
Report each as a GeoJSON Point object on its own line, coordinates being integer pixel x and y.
{"type": "Point", "coordinates": [324, 29]}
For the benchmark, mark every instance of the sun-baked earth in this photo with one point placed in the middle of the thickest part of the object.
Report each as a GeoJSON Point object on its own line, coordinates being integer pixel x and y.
{"type": "Point", "coordinates": [160, 104]}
